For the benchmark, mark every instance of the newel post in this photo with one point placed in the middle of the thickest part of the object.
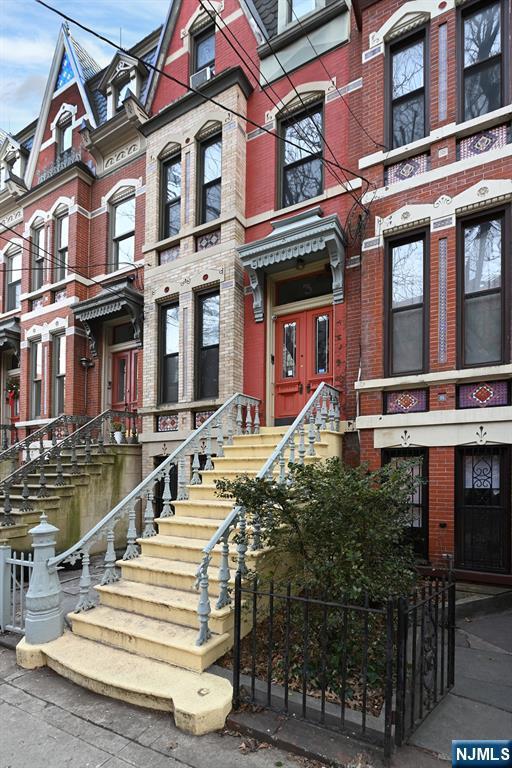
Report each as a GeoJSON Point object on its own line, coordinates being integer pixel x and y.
{"type": "Point", "coordinates": [45, 618]}
{"type": "Point", "coordinates": [5, 585]}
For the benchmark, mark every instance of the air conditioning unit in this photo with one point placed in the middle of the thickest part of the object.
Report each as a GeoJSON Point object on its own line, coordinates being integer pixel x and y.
{"type": "Point", "coordinates": [201, 76]}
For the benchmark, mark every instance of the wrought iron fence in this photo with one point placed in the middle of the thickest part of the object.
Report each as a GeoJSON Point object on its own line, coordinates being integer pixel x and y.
{"type": "Point", "coordinates": [374, 672]}
{"type": "Point", "coordinates": [15, 572]}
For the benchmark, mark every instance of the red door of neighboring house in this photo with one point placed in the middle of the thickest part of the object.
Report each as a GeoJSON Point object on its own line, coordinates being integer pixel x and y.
{"type": "Point", "coordinates": [303, 358]}
{"type": "Point", "coordinates": [13, 401]}
{"type": "Point", "coordinates": [124, 380]}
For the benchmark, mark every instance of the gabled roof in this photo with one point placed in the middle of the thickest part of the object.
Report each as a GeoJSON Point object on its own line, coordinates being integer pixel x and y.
{"type": "Point", "coordinates": [86, 63]}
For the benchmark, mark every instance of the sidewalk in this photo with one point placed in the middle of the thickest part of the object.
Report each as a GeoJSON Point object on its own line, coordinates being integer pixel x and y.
{"type": "Point", "coordinates": [480, 705]}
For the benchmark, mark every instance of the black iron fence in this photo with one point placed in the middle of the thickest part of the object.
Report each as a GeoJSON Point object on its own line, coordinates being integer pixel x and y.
{"type": "Point", "coordinates": [374, 671]}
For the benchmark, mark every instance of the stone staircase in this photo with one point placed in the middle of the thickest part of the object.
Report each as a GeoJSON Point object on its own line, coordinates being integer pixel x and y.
{"type": "Point", "coordinates": [140, 644]}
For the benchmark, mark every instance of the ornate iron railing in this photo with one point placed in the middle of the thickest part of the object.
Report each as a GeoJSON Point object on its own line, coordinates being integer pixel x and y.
{"type": "Point", "coordinates": [7, 436]}
{"type": "Point", "coordinates": [15, 570]}
{"type": "Point", "coordinates": [238, 415]}
{"type": "Point", "coordinates": [321, 411]}
{"type": "Point", "coordinates": [88, 435]}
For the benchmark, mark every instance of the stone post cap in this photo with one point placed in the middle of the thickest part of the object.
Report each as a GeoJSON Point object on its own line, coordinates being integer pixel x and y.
{"type": "Point", "coordinates": [43, 527]}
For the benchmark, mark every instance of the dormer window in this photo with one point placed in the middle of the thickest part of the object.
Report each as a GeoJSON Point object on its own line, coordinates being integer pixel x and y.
{"type": "Point", "coordinates": [122, 87]}
{"type": "Point", "coordinates": [298, 8]}
{"type": "Point", "coordinates": [204, 50]}
{"type": "Point", "coordinates": [65, 134]}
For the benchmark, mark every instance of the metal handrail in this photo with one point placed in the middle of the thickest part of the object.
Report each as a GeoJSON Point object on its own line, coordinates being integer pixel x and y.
{"type": "Point", "coordinates": [236, 517]}
{"type": "Point", "coordinates": [82, 435]}
{"type": "Point", "coordinates": [4, 429]}
{"type": "Point", "coordinates": [13, 450]}
{"type": "Point", "coordinates": [105, 527]}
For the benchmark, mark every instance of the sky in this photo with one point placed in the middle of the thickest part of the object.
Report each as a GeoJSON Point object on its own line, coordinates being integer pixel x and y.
{"type": "Point", "coordinates": [28, 35]}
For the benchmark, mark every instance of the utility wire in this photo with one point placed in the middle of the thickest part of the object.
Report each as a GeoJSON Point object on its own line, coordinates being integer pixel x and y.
{"type": "Point", "coordinates": [61, 263]}
{"type": "Point", "coordinates": [247, 58]}
{"type": "Point", "coordinates": [189, 88]}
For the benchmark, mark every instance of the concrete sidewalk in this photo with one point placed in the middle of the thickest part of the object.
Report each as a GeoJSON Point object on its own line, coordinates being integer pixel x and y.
{"type": "Point", "coordinates": [480, 705]}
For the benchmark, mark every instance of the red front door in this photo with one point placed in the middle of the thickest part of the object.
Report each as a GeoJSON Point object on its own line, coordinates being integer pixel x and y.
{"type": "Point", "coordinates": [124, 380]}
{"type": "Point", "coordinates": [303, 358]}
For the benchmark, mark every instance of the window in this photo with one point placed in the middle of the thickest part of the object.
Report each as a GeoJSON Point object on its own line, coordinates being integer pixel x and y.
{"type": "Point", "coordinates": [298, 8]}
{"type": "Point", "coordinates": [123, 234]}
{"type": "Point", "coordinates": [482, 300]}
{"type": "Point", "coordinates": [122, 86]}
{"type": "Point", "coordinates": [59, 373]}
{"type": "Point", "coordinates": [408, 88]}
{"type": "Point", "coordinates": [207, 345]}
{"type": "Point", "coordinates": [13, 280]}
{"type": "Point", "coordinates": [171, 196]}
{"type": "Point", "coordinates": [36, 375]}
{"type": "Point", "coordinates": [170, 347]}
{"type": "Point", "coordinates": [204, 50]}
{"type": "Point", "coordinates": [302, 176]}
{"type": "Point", "coordinates": [210, 179]}
{"type": "Point", "coordinates": [37, 258]}
{"type": "Point", "coordinates": [417, 530]}
{"type": "Point", "coordinates": [482, 60]}
{"type": "Point", "coordinates": [406, 322]}
{"type": "Point", "coordinates": [61, 247]}
{"type": "Point", "coordinates": [65, 135]}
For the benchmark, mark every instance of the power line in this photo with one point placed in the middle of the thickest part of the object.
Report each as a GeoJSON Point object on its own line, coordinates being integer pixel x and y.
{"type": "Point", "coordinates": [189, 88]}
{"type": "Point", "coordinates": [248, 58]}
{"type": "Point", "coordinates": [320, 59]}
{"type": "Point", "coordinates": [60, 263]}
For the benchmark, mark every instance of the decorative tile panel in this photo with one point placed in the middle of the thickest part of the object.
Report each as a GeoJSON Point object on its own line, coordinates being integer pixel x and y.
{"type": "Point", "coordinates": [492, 138]}
{"type": "Point", "coordinates": [201, 416]}
{"type": "Point", "coordinates": [37, 303]}
{"type": "Point", "coordinates": [406, 401]}
{"type": "Point", "coordinates": [170, 254]}
{"type": "Point", "coordinates": [208, 240]}
{"type": "Point", "coordinates": [60, 295]}
{"type": "Point", "coordinates": [406, 169]}
{"type": "Point", "coordinates": [442, 88]}
{"type": "Point", "coordinates": [443, 299]}
{"type": "Point", "coordinates": [484, 394]}
{"type": "Point", "coordinates": [167, 423]}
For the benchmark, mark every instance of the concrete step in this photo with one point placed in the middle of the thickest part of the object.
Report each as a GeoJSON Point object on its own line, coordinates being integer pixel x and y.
{"type": "Point", "coordinates": [181, 548]}
{"type": "Point", "coordinates": [163, 572]}
{"type": "Point", "coordinates": [215, 509]}
{"type": "Point", "coordinates": [200, 702]}
{"type": "Point", "coordinates": [163, 603]}
{"type": "Point", "coordinates": [192, 527]}
{"type": "Point", "coordinates": [207, 490]}
{"type": "Point", "coordinates": [263, 451]}
{"type": "Point", "coordinates": [149, 638]}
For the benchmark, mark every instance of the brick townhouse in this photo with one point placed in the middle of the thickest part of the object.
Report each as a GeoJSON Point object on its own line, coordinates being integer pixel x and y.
{"type": "Point", "coordinates": [436, 270]}
{"type": "Point", "coordinates": [72, 189]}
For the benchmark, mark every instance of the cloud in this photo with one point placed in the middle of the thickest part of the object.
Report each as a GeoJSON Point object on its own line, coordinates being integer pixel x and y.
{"type": "Point", "coordinates": [26, 51]}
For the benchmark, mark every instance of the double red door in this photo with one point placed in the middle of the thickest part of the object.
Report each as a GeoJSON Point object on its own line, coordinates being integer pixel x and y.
{"type": "Point", "coordinates": [124, 380]}
{"type": "Point", "coordinates": [303, 358]}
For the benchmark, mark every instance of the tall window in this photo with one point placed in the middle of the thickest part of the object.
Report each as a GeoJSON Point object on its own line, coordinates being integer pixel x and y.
{"type": "Point", "coordinates": [482, 40]}
{"type": "Point", "coordinates": [483, 291]}
{"type": "Point", "coordinates": [210, 179]}
{"type": "Point", "coordinates": [204, 50]}
{"type": "Point", "coordinates": [302, 176]}
{"type": "Point", "coordinates": [407, 88]}
{"type": "Point", "coordinates": [123, 233]}
{"type": "Point", "coordinates": [37, 257]}
{"type": "Point", "coordinates": [36, 375]}
{"type": "Point", "coordinates": [65, 135]}
{"type": "Point", "coordinates": [13, 280]}
{"type": "Point", "coordinates": [59, 373]}
{"type": "Point", "coordinates": [61, 247]}
{"type": "Point", "coordinates": [406, 300]}
{"type": "Point", "coordinates": [170, 341]}
{"type": "Point", "coordinates": [207, 345]}
{"type": "Point", "coordinates": [171, 196]}
{"type": "Point", "coordinates": [122, 86]}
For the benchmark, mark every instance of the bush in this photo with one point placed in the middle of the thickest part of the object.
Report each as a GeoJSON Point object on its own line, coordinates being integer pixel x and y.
{"type": "Point", "coordinates": [341, 529]}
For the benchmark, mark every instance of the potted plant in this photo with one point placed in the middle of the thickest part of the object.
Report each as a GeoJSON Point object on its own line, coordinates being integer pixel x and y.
{"type": "Point", "coordinates": [117, 429]}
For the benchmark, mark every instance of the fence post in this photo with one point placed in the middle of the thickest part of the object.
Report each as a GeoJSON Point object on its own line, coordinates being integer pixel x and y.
{"type": "Point", "coordinates": [451, 630]}
{"type": "Point", "coordinates": [401, 636]}
{"type": "Point", "coordinates": [5, 585]}
{"type": "Point", "coordinates": [236, 641]}
{"type": "Point", "coordinates": [388, 693]}
{"type": "Point", "coordinates": [44, 619]}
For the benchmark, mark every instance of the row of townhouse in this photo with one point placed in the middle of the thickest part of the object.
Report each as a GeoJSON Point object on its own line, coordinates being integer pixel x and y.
{"type": "Point", "coordinates": [266, 194]}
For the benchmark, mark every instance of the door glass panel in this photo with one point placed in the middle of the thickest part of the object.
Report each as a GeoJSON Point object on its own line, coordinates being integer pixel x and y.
{"type": "Point", "coordinates": [289, 350]}
{"type": "Point", "coordinates": [482, 479]}
{"type": "Point", "coordinates": [322, 344]}
{"type": "Point", "coordinates": [121, 379]}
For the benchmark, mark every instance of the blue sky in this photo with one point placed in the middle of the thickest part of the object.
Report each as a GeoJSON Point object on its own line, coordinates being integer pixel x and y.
{"type": "Point", "coordinates": [28, 34]}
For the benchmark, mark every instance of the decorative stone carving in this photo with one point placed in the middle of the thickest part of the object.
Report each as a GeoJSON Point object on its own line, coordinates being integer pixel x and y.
{"type": "Point", "coordinates": [122, 154]}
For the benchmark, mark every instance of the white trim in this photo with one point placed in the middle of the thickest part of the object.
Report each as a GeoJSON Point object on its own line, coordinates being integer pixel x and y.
{"type": "Point", "coordinates": [439, 377]}
{"type": "Point", "coordinates": [436, 174]}
{"type": "Point", "coordinates": [39, 214]}
{"type": "Point", "coordinates": [64, 108]}
{"type": "Point", "coordinates": [14, 243]}
{"type": "Point", "coordinates": [408, 16]}
{"type": "Point", "coordinates": [434, 418]}
{"type": "Point", "coordinates": [68, 202]}
{"type": "Point", "coordinates": [443, 132]}
{"type": "Point", "coordinates": [317, 86]}
{"type": "Point", "coordinates": [42, 330]}
{"type": "Point", "coordinates": [134, 184]}
{"type": "Point", "coordinates": [67, 302]}
{"type": "Point", "coordinates": [122, 271]}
